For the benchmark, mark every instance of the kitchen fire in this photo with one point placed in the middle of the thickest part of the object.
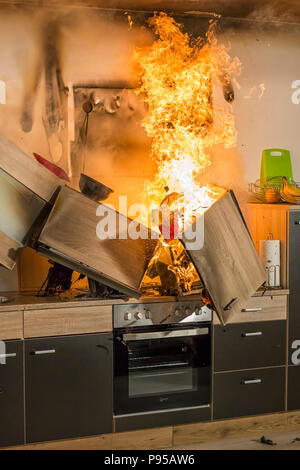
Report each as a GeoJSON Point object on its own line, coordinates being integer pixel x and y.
{"type": "Point", "coordinates": [149, 225]}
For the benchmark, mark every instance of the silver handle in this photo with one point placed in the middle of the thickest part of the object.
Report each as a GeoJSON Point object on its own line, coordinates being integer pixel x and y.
{"type": "Point", "coordinates": [254, 333]}
{"type": "Point", "coordinates": [251, 381]}
{"type": "Point", "coordinates": [164, 334]}
{"type": "Point", "coordinates": [2, 356]}
{"type": "Point", "coordinates": [255, 309]}
{"type": "Point", "coordinates": [44, 351]}
{"type": "Point", "coordinates": [231, 303]}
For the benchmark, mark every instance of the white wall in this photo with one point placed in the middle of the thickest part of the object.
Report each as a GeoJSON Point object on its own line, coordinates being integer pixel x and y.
{"type": "Point", "coordinates": [272, 59]}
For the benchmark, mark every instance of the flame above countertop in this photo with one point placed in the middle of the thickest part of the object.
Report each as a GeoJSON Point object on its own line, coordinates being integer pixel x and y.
{"type": "Point", "coordinates": [176, 76]}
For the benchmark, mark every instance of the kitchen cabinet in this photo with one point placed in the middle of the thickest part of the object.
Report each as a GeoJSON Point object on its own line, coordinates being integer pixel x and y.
{"type": "Point", "coordinates": [68, 386]}
{"type": "Point", "coordinates": [249, 368]}
{"type": "Point", "coordinates": [293, 388]}
{"type": "Point", "coordinates": [11, 394]}
{"type": "Point", "coordinates": [250, 345]}
{"type": "Point", "coordinates": [250, 392]}
{"type": "Point", "coordinates": [294, 281]}
{"type": "Point", "coordinates": [282, 221]}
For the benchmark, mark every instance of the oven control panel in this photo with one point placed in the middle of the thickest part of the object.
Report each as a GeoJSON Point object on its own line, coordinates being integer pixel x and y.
{"type": "Point", "coordinates": [160, 313]}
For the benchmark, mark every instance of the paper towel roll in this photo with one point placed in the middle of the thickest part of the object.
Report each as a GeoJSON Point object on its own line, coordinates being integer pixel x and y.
{"type": "Point", "coordinates": [269, 252]}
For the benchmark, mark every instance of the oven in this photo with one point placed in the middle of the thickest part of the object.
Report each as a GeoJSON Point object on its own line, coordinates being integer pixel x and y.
{"type": "Point", "coordinates": [162, 357]}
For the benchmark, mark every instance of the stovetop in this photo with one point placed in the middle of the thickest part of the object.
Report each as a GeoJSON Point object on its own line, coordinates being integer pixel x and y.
{"type": "Point", "coordinates": [160, 313]}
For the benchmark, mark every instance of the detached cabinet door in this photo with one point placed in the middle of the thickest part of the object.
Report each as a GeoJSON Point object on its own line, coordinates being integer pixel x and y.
{"type": "Point", "coordinates": [68, 387]}
{"type": "Point", "coordinates": [226, 259]}
{"type": "Point", "coordinates": [11, 393]}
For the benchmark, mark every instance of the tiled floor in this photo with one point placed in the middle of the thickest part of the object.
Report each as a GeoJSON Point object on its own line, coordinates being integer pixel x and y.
{"type": "Point", "coordinates": [284, 441]}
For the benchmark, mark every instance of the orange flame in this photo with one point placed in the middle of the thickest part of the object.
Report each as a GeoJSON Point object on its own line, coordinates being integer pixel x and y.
{"type": "Point", "coordinates": [176, 79]}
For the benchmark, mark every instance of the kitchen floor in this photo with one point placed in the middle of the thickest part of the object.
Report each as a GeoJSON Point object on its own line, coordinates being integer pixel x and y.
{"type": "Point", "coordinates": [284, 441]}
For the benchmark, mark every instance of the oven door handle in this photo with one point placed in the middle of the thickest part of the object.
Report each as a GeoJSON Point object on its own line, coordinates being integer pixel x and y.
{"type": "Point", "coordinates": [164, 334]}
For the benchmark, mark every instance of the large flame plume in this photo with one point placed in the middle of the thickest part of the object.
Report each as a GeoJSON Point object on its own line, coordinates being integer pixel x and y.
{"type": "Point", "coordinates": [176, 77]}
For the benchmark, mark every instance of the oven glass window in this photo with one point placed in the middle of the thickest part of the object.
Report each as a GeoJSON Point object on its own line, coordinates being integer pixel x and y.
{"type": "Point", "coordinates": [162, 369]}
{"type": "Point", "coordinates": [161, 366]}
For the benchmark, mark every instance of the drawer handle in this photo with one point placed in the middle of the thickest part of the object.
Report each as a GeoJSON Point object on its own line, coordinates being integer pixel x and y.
{"type": "Point", "coordinates": [254, 333]}
{"type": "Point", "coordinates": [43, 351]}
{"type": "Point", "coordinates": [255, 309]}
{"type": "Point", "coordinates": [3, 356]}
{"type": "Point", "coordinates": [104, 348]}
{"type": "Point", "coordinates": [231, 303]}
{"type": "Point", "coordinates": [251, 381]}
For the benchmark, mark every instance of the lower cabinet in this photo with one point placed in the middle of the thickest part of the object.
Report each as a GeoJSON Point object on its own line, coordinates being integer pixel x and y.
{"type": "Point", "coordinates": [68, 387]}
{"type": "Point", "coordinates": [249, 392]}
{"type": "Point", "coordinates": [11, 393]}
{"type": "Point", "coordinates": [294, 388]}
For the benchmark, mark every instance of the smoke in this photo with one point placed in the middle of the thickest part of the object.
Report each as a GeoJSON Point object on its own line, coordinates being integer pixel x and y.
{"type": "Point", "coordinates": [93, 48]}
{"type": "Point", "coordinates": [275, 13]}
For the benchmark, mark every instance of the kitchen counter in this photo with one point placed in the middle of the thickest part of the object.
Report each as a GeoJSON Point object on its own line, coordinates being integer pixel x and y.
{"type": "Point", "coordinates": [31, 302]}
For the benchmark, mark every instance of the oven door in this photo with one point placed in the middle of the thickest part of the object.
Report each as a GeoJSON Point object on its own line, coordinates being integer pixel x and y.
{"type": "Point", "coordinates": [162, 368]}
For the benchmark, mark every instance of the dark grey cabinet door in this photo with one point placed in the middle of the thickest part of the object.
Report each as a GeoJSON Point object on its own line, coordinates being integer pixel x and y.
{"type": "Point", "coordinates": [294, 282]}
{"type": "Point", "coordinates": [248, 392]}
{"type": "Point", "coordinates": [11, 394]}
{"type": "Point", "coordinates": [68, 387]}
{"type": "Point", "coordinates": [294, 388]}
{"type": "Point", "coordinates": [249, 345]}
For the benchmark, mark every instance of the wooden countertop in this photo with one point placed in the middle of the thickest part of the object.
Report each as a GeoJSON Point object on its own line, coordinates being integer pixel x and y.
{"type": "Point", "coordinates": [32, 302]}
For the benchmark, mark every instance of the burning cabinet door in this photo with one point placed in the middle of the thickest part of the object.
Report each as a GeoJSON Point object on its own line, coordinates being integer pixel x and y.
{"type": "Point", "coordinates": [118, 259]}
{"type": "Point", "coordinates": [227, 262]}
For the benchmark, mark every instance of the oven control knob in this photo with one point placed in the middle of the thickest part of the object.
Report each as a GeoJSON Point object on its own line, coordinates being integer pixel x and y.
{"type": "Point", "coordinates": [197, 311]}
{"type": "Point", "coordinates": [139, 316]}
{"type": "Point", "coordinates": [187, 310]}
{"type": "Point", "coordinates": [148, 314]}
{"type": "Point", "coordinates": [128, 316]}
{"type": "Point", "coordinates": [177, 311]}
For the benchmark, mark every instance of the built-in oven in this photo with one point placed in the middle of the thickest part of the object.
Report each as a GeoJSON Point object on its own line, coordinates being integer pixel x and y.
{"type": "Point", "coordinates": [162, 357]}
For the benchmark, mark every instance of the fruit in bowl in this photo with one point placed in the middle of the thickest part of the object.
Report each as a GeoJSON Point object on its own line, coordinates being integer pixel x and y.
{"type": "Point", "coordinates": [272, 196]}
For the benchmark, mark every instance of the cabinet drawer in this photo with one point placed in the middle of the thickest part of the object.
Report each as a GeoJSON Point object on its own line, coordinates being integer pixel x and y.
{"type": "Point", "coordinates": [246, 393]}
{"type": "Point", "coordinates": [261, 309]}
{"type": "Point", "coordinates": [11, 325]}
{"type": "Point", "coordinates": [249, 345]}
{"type": "Point", "coordinates": [67, 321]}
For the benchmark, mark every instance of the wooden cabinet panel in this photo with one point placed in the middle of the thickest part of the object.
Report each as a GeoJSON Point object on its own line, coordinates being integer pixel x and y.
{"type": "Point", "coordinates": [265, 219]}
{"type": "Point", "coordinates": [261, 308]}
{"type": "Point", "coordinates": [227, 262]}
{"type": "Point", "coordinates": [67, 321]}
{"type": "Point", "coordinates": [11, 325]}
{"type": "Point", "coordinates": [68, 387]}
{"type": "Point", "coordinates": [27, 170]}
{"type": "Point", "coordinates": [9, 250]}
